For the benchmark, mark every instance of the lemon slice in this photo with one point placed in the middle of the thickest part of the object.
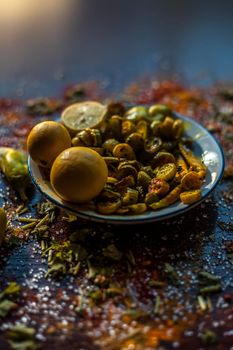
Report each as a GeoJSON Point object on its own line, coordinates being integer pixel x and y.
{"type": "Point", "coordinates": [82, 115]}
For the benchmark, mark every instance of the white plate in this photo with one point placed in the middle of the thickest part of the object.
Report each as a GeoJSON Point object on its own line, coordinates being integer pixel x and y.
{"type": "Point", "coordinates": [205, 146]}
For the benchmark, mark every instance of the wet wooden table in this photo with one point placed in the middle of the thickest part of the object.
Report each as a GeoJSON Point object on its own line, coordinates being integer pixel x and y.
{"type": "Point", "coordinates": [136, 287]}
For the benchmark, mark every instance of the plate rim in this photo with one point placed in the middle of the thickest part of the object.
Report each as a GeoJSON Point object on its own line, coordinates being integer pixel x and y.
{"type": "Point", "coordinates": [138, 220]}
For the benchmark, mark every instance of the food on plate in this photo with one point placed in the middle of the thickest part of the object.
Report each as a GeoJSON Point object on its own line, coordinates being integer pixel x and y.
{"type": "Point", "coordinates": [3, 224]}
{"type": "Point", "coordinates": [82, 115]}
{"type": "Point", "coordinates": [78, 174]}
{"type": "Point", "coordinates": [46, 141]}
{"type": "Point", "coordinates": [126, 163]}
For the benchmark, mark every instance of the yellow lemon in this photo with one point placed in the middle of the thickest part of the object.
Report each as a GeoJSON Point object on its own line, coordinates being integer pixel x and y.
{"type": "Point", "coordinates": [46, 141]}
{"type": "Point", "coordinates": [82, 115]}
{"type": "Point", "coordinates": [78, 174]}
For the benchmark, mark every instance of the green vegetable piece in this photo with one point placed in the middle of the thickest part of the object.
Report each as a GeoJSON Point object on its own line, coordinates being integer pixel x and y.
{"type": "Point", "coordinates": [170, 198]}
{"type": "Point", "coordinates": [130, 197]}
{"type": "Point", "coordinates": [127, 128]}
{"type": "Point", "coordinates": [13, 164]}
{"type": "Point", "coordinates": [155, 125]}
{"type": "Point", "coordinates": [151, 198]}
{"type": "Point", "coordinates": [159, 109]}
{"type": "Point", "coordinates": [143, 179]}
{"type": "Point", "coordinates": [143, 129]}
{"type": "Point", "coordinates": [113, 127]}
{"type": "Point", "coordinates": [109, 145]}
{"type": "Point", "coordinates": [137, 113]}
{"type": "Point", "coordinates": [135, 140]}
{"type": "Point", "coordinates": [122, 185]}
{"type": "Point", "coordinates": [154, 145]}
{"type": "Point", "coordinates": [123, 150]}
{"type": "Point", "coordinates": [166, 172]}
{"type": "Point", "coordinates": [162, 158]}
{"type": "Point", "coordinates": [147, 169]}
{"type": "Point", "coordinates": [177, 129]}
{"type": "Point", "coordinates": [126, 170]}
{"type": "Point", "coordinates": [166, 128]}
{"type": "Point", "coordinates": [108, 202]}
{"type": "Point", "coordinates": [138, 208]}
{"type": "Point", "coordinates": [89, 138]}
{"type": "Point", "coordinates": [169, 145]}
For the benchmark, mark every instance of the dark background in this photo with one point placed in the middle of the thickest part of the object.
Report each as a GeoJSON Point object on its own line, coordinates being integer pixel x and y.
{"type": "Point", "coordinates": [48, 43]}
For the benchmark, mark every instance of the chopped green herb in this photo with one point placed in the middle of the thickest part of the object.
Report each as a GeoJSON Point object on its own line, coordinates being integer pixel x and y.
{"type": "Point", "coordinates": [211, 289]}
{"type": "Point", "coordinates": [30, 225]}
{"type": "Point", "coordinates": [95, 271]}
{"type": "Point", "coordinates": [206, 277]}
{"type": "Point", "coordinates": [130, 257]}
{"type": "Point", "coordinates": [18, 210]}
{"type": "Point", "coordinates": [157, 284]}
{"type": "Point", "coordinates": [97, 295]}
{"type": "Point", "coordinates": [112, 252]}
{"type": "Point", "coordinates": [42, 232]}
{"type": "Point", "coordinates": [79, 252]}
{"type": "Point", "coordinates": [209, 304]}
{"type": "Point", "coordinates": [208, 337]}
{"type": "Point", "coordinates": [171, 274]}
{"type": "Point", "coordinates": [21, 209]}
{"type": "Point", "coordinates": [80, 308]}
{"type": "Point", "coordinates": [43, 221]}
{"type": "Point", "coordinates": [201, 303]}
{"type": "Point", "coordinates": [45, 207]}
{"type": "Point", "coordinates": [114, 289]}
{"type": "Point", "coordinates": [80, 235]}
{"type": "Point", "coordinates": [55, 269]}
{"type": "Point", "coordinates": [75, 269]}
{"type": "Point", "coordinates": [6, 306]}
{"type": "Point", "coordinates": [21, 337]}
{"type": "Point", "coordinates": [209, 283]}
{"type": "Point", "coordinates": [136, 314]}
{"type": "Point", "coordinates": [27, 220]}
{"type": "Point", "coordinates": [69, 218]}
{"type": "Point", "coordinates": [12, 290]}
{"type": "Point", "coordinates": [157, 305]}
